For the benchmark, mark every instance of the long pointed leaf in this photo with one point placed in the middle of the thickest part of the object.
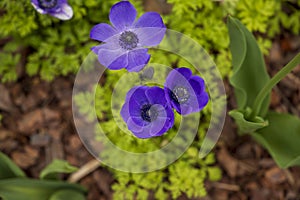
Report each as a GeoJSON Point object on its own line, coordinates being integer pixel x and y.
{"type": "Point", "coordinates": [22, 188]}
{"type": "Point", "coordinates": [8, 169]}
{"type": "Point", "coordinates": [67, 194]}
{"type": "Point", "coordinates": [281, 138]}
{"type": "Point", "coordinates": [249, 70]}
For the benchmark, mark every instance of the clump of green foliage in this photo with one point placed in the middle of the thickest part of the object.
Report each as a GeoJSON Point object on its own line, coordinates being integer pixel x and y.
{"type": "Point", "coordinates": [204, 22]}
{"type": "Point", "coordinates": [267, 16]}
{"type": "Point", "coordinates": [180, 177]}
{"type": "Point", "coordinates": [49, 46]}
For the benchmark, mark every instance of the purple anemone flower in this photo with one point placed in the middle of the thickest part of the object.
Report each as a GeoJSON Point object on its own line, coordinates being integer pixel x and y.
{"type": "Point", "coordinates": [147, 112]}
{"type": "Point", "coordinates": [125, 41]}
{"type": "Point", "coordinates": [57, 8]}
{"type": "Point", "coordinates": [185, 92]}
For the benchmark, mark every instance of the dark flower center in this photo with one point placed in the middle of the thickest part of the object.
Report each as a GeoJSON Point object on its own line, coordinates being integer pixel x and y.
{"type": "Point", "coordinates": [149, 113]}
{"type": "Point", "coordinates": [128, 40]}
{"type": "Point", "coordinates": [180, 94]}
{"type": "Point", "coordinates": [47, 3]}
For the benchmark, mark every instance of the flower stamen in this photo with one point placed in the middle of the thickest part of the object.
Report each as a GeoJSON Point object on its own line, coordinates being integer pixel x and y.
{"type": "Point", "coordinates": [128, 40]}
{"type": "Point", "coordinates": [180, 94]}
{"type": "Point", "coordinates": [47, 3]}
{"type": "Point", "coordinates": [149, 113]}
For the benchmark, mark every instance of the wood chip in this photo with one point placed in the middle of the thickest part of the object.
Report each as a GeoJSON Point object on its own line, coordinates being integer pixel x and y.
{"type": "Point", "coordinates": [5, 100]}
{"type": "Point", "coordinates": [38, 119]}
{"type": "Point", "coordinates": [220, 194]}
{"type": "Point", "coordinates": [26, 158]}
{"type": "Point", "coordinates": [226, 186]}
{"type": "Point", "coordinates": [252, 186]}
{"type": "Point", "coordinates": [4, 134]}
{"type": "Point", "coordinates": [275, 175]}
{"type": "Point", "coordinates": [104, 181]}
{"type": "Point", "coordinates": [275, 98]}
{"type": "Point", "coordinates": [31, 121]}
{"type": "Point", "coordinates": [275, 53]}
{"type": "Point", "coordinates": [75, 143]}
{"type": "Point", "coordinates": [50, 115]}
{"type": "Point", "coordinates": [229, 163]}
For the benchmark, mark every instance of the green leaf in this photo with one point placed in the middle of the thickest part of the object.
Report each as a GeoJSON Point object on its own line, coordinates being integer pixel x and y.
{"type": "Point", "coordinates": [249, 70]}
{"type": "Point", "coordinates": [160, 194]}
{"type": "Point", "coordinates": [281, 138]}
{"type": "Point", "coordinates": [56, 167]}
{"type": "Point", "coordinates": [210, 159]}
{"type": "Point", "coordinates": [22, 188]}
{"type": "Point", "coordinates": [67, 194]}
{"type": "Point", "coordinates": [214, 173]}
{"type": "Point", "coordinates": [8, 169]}
{"type": "Point", "coordinates": [244, 125]}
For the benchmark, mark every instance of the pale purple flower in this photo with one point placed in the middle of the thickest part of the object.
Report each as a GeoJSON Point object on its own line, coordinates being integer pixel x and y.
{"type": "Point", "coordinates": [125, 41]}
{"type": "Point", "coordinates": [146, 112]}
{"type": "Point", "coordinates": [57, 8]}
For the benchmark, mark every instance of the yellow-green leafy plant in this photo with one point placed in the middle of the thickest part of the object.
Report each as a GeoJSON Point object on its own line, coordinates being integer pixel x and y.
{"type": "Point", "coordinates": [50, 47]}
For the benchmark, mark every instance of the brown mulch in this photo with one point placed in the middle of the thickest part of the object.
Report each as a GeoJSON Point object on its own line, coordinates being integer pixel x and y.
{"type": "Point", "coordinates": [38, 127]}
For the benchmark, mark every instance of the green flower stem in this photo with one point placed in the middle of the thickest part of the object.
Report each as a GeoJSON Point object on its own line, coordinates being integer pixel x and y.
{"type": "Point", "coordinates": [268, 87]}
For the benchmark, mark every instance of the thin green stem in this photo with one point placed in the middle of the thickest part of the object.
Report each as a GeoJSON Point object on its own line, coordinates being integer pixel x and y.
{"type": "Point", "coordinates": [268, 87]}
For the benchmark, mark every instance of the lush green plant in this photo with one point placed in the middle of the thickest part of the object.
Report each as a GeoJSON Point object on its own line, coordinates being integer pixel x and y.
{"type": "Point", "coordinates": [277, 132]}
{"type": "Point", "coordinates": [267, 16]}
{"type": "Point", "coordinates": [202, 20]}
{"type": "Point", "coordinates": [181, 177]}
{"type": "Point", "coordinates": [14, 185]}
{"type": "Point", "coordinates": [62, 46]}
{"type": "Point", "coordinates": [51, 47]}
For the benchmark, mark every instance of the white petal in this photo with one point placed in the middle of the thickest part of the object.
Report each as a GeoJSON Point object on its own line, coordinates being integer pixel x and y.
{"type": "Point", "coordinates": [38, 8]}
{"type": "Point", "coordinates": [65, 13]}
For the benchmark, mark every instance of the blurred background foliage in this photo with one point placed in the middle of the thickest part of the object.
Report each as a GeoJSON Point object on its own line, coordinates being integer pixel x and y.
{"type": "Point", "coordinates": [50, 47]}
{"type": "Point", "coordinates": [45, 46]}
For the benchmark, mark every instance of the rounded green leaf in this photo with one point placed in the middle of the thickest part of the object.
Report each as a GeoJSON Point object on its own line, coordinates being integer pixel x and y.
{"type": "Point", "coordinates": [56, 167]}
